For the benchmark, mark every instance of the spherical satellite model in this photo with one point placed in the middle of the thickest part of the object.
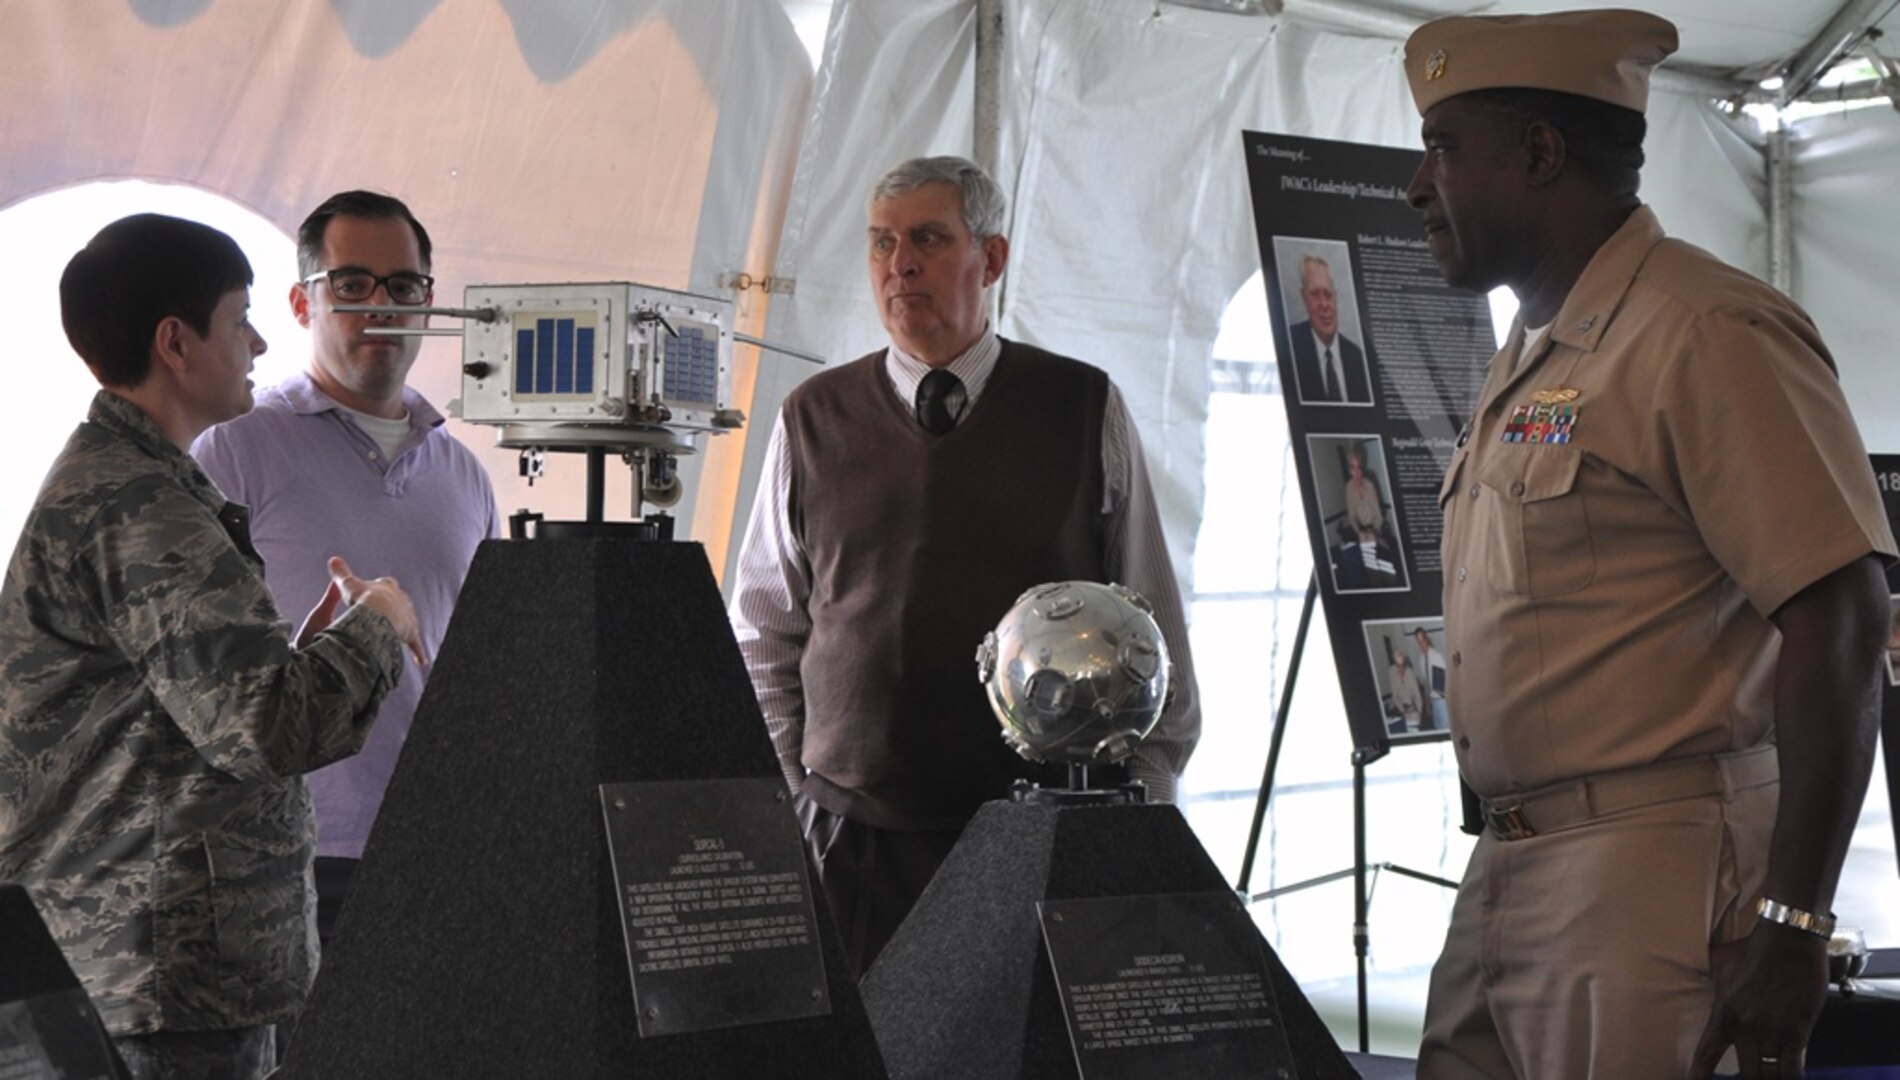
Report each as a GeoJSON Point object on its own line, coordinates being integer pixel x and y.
{"type": "Point", "coordinates": [1077, 672]}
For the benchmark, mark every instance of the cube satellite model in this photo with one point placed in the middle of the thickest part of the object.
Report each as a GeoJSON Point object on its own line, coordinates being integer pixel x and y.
{"type": "Point", "coordinates": [595, 368]}
{"type": "Point", "coordinates": [598, 365]}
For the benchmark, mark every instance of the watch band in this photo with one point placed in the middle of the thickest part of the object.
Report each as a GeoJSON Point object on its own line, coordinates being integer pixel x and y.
{"type": "Point", "coordinates": [1821, 926]}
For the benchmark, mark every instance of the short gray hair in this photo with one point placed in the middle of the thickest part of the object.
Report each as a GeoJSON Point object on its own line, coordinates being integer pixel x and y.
{"type": "Point", "coordinates": [1314, 260]}
{"type": "Point", "coordinates": [983, 202]}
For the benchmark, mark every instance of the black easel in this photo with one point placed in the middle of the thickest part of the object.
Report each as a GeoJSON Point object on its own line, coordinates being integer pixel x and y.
{"type": "Point", "coordinates": [1360, 872]}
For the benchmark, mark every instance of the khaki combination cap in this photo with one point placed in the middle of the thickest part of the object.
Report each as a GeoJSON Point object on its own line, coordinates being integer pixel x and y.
{"type": "Point", "coordinates": [1604, 54]}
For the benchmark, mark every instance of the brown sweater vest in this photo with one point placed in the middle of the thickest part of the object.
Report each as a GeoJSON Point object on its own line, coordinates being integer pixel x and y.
{"type": "Point", "coordinates": [918, 544]}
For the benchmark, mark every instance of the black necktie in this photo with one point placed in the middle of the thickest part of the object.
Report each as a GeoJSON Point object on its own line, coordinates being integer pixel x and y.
{"type": "Point", "coordinates": [933, 401]}
{"type": "Point", "coordinates": [1326, 377]}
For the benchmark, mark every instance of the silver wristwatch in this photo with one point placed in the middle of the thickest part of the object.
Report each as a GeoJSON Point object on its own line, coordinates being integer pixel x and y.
{"type": "Point", "coordinates": [1821, 926]}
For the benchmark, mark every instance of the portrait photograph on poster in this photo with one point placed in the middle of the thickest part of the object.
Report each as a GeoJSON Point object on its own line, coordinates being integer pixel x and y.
{"type": "Point", "coordinates": [1357, 515]}
{"type": "Point", "coordinates": [1324, 333]}
{"type": "Point", "coordinates": [1893, 644]}
{"type": "Point", "coordinates": [1409, 672]}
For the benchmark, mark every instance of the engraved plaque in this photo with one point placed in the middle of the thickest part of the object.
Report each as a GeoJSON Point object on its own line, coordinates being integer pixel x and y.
{"type": "Point", "coordinates": [715, 904]}
{"type": "Point", "coordinates": [53, 1037]}
{"type": "Point", "coordinates": [1165, 986]}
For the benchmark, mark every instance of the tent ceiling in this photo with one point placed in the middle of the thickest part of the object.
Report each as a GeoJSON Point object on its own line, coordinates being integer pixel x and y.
{"type": "Point", "coordinates": [1717, 35]}
{"type": "Point", "coordinates": [1746, 38]}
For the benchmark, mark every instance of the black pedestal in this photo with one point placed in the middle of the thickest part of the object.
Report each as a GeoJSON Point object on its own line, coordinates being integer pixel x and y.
{"type": "Point", "coordinates": [1861, 1030]}
{"type": "Point", "coordinates": [482, 935]}
{"type": "Point", "coordinates": [32, 967]}
{"type": "Point", "coordinates": [33, 963]}
{"type": "Point", "coordinates": [964, 991]}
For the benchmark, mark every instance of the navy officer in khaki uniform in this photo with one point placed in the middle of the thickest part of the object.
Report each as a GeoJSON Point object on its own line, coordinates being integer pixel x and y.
{"type": "Point", "coordinates": [1664, 601]}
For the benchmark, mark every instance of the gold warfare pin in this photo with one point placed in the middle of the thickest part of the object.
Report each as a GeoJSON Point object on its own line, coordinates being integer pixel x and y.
{"type": "Point", "coordinates": [1557, 396]}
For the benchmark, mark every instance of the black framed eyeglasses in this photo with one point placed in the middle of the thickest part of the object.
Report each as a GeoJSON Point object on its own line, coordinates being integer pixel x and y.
{"type": "Point", "coordinates": [356, 286]}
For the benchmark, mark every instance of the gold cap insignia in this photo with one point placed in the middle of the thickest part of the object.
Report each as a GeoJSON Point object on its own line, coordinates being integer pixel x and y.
{"type": "Point", "coordinates": [1557, 396]}
{"type": "Point", "coordinates": [1435, 65]}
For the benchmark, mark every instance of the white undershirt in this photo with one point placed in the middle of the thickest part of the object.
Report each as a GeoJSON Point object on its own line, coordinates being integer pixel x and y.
{"type": "Point", "coordinates": [388, 435]}
{"type": "Point", "coordinates": [1532, 340]}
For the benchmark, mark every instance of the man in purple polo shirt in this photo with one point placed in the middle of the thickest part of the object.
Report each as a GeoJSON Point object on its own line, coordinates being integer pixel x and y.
{"type": "Point", "coordinates": [345, 459]}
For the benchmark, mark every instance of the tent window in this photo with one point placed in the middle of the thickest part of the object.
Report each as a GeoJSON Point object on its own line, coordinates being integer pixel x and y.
{"type": "Point", "coordinates": [1251, 565]}
{"type": "Point", "coordinates": [39, 235]}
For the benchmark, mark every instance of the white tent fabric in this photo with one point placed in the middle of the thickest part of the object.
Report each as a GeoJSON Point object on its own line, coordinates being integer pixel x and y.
{"type": "Point", "coordinates": [1846, 260]}
{"type": "Point", "coordinates": [1130, 223]}
{"type": "Point", "coordinates": [539, 140]}
{"type": "Point", "coordinates": [896, 81]}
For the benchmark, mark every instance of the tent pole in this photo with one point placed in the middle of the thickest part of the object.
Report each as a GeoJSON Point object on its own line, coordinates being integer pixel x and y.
{"type": "Point", "coordinates": [1837, 39]}
{"type": "Point", "coordinates": [1779, 154]}
{"type": "Point", "coordinates": [989, 84]}
{"type": "Point", "coordinates": [987, 134]}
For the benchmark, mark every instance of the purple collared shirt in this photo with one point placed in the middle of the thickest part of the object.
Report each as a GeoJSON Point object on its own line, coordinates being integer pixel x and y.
{"type": "Point", "coordinates": [318, 486]}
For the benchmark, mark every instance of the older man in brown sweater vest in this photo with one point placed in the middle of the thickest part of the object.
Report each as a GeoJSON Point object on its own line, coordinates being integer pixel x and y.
{"type": "Point", "coordinates": [908, 498]}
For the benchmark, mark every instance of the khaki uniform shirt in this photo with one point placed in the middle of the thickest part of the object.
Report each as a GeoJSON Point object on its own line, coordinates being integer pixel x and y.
{"type": "Point", "coordinates": [154, 723]}
{"type": "Point", "coordinates": [1629, 507]}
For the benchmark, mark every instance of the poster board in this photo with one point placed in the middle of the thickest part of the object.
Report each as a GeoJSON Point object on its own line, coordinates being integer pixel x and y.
{"type": "Point", "coordinates": [1887, 476]}
{"type": "Point", "coordinates": [1380, 364]}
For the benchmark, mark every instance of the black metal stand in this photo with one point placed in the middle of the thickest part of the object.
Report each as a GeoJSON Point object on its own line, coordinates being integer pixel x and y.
{"type": "Point", "coordinates": [1134, 792]}
{"type": "Point", "coordinates": [1279, 733]}
{"type": "Point", "coordinates": [1364, 875]}
{"type": "Point", "coordinates": [596, 527]}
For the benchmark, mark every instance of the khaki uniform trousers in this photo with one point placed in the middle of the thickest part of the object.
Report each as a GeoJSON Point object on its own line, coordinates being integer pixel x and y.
{"type": "Point", "coordinates": [1583, 953]}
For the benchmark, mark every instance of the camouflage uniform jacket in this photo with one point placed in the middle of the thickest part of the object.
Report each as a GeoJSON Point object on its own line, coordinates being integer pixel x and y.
{"type": "Point", "coordinates": [155, 723]}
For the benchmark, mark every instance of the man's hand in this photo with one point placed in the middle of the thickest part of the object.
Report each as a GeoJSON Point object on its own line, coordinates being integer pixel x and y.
{"type": "Point", "coordinates": [383, 596]}
{"type": "Point", "coordinates": [1768, 991]}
